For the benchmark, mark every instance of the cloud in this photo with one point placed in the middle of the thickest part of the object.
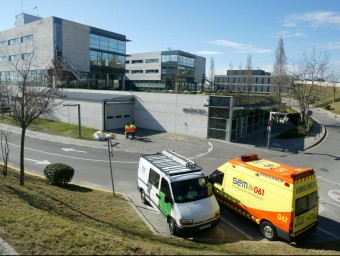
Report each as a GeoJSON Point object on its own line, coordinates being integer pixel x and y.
{"type": "Point", "coordinates": [330, 45]}
{"type": "Point", "coordinates": [314, 19]}
{"type": "Point", "coordinates": [240, 48]}
{"type": "Point", "coordinates": [286, 34]}
{"type": "Point", "coordinates": [208, 53]}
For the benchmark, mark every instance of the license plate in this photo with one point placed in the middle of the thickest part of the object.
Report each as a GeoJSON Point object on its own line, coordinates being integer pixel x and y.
{"type": "Point", "coordinates": [205, 226]}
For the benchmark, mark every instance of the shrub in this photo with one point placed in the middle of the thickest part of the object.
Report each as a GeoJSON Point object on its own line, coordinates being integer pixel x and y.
{"type": "Point", "coordinates": [328, 107]}
{"type": "Point", "coordinates": [58, 173]}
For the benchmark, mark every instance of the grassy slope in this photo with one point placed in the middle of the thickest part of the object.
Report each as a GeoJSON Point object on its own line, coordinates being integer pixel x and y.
{"type": "Point", "coordinates": [54, 127]}
{"type": "Point", "coordinates": [43, 219]}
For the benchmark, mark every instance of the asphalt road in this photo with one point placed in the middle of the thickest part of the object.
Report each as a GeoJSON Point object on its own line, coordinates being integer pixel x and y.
{"type": "Point", "coordinates": [93, 169]}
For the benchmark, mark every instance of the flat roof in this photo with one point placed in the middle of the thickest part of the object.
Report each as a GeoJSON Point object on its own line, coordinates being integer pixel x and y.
{"type": "Point", "coordinates": [99, 97]}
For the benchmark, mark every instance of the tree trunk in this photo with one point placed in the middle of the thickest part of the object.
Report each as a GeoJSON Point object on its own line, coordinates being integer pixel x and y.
{"type": "Point", "coordinates": [22, 153]}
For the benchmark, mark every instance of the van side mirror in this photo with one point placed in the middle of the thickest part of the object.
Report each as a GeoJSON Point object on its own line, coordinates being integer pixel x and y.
{"type": "Point", "coordinates": [167, 199]}
{"type": "Point", "coordinates": [210, 179]}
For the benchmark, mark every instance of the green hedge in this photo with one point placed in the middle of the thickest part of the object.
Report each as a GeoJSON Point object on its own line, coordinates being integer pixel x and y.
{"type": "Point", "coordinates": [58, 173]}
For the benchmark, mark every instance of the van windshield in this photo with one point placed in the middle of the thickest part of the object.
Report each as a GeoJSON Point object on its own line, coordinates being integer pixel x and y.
{"type": "Point", "coordinates": [191, 190]}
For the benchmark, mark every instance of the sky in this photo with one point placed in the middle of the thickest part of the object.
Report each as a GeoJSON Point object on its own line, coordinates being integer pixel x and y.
{"type": "Point", "coordinates": [225, 31]}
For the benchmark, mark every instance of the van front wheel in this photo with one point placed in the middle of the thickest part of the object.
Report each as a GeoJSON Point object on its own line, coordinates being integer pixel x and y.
{"type": "Point", "coordinates": [268, 230]}
{"type": "Point", "coordinates": [172, 227]}
{"type": "Point", "coordinates": [142, 197]}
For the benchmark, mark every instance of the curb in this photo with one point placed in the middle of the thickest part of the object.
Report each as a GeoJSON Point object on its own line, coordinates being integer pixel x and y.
{"type": "Point", "coordinates": [324, 133]}
{"type": "Point", "coordinates": [6, 249]}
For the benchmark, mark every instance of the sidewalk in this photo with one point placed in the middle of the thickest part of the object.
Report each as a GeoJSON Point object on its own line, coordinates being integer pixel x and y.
{"type": "Point", "coordinates": [296, 145]}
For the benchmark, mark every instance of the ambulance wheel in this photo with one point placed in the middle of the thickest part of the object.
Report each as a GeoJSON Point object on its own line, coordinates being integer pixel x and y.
{"type": "Point", "coordinates": [268, 230]}
{"type": "Point", "coordinates": [172, 227]}
{"type": "Point", "coordinates": [142, 197]}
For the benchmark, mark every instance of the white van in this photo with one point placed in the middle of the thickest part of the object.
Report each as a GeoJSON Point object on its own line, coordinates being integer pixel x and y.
{"type": "Point", "coordinates": [178, 189]}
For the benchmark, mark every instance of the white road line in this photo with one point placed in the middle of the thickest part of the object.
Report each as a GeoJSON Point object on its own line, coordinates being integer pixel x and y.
{"type": "Point", "coordinates": [329, 233]}
{"type": "Point", "coordinates": [239, 230]}
{"type": "Point", "coordinates": [330, 202]}
{"type": "Point", "coordinates": [79, 158]}
{"type": "Point", "coordinates": [203, 154]}
{"type": "Point", "coordinates": [319, 177]}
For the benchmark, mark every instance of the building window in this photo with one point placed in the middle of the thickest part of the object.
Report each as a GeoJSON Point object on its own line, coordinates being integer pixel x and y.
{"type": "Point", "coordinates": [107, 44]}
{"type": "Point", "coordinates": [104, 59]}
{"type": "Point", "coordinates": [14, 57]}
{"type": "Point", "coordinates": [127, 62]}
{"type": "Point", "coordinates": [27, 56]}
{"type": "Point", "coordinates": [262, 80]}
{"type": "Point", "coordinates": [3, 58]}
{"type": "Point", "coordinates": [136, 61]}
{"type": "Point", "coordinates": [148, 71]}
{"type": "Point", "coordinates": [127, 71]}
{"type": "Point", "coordinates": [26, 39]}
{"type": "Point", "coordinates": [3, 43]}
{"type": "Point", "coordinates": [136, 71]}
{"type": "Point", "coordinates": [151, 60]}
{"type": "Point", "coordinates": [13, 41]}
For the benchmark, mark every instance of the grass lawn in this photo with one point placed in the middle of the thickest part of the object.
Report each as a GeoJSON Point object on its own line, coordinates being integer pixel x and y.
{"type": "Point", "coordinates": [54, 127]}
{"type": "Point", "coordinates": [42, 219]}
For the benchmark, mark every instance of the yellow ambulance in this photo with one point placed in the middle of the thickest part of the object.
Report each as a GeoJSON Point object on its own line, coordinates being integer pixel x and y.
{"type": "Point", "coordinates": [282, 199]}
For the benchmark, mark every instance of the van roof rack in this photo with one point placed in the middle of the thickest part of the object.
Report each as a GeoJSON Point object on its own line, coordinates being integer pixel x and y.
{"type": "Point", "coordinates": [172, 164]}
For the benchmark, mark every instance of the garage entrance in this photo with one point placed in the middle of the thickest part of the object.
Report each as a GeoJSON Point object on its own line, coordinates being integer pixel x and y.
{"type": "Point", "coordinates": [117, 114]}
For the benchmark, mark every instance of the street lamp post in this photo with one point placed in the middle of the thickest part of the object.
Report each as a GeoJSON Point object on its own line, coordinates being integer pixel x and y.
{"type": "Point", "coordinates": [79, 119]}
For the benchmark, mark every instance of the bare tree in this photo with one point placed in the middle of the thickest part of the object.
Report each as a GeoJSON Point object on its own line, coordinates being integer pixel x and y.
{"type": "Point", "coordinates": [4, 151]}
{"type": "Point", "coordinates": [333, 79]}
{"type": "Point", "coordinates": [29, 98]}
{"type": "Point", "coordinates": [279, 76]}
{"type": "Point", "coordinates": [306, 77]}
{"type": "Point", "coordinates": [249, 74]}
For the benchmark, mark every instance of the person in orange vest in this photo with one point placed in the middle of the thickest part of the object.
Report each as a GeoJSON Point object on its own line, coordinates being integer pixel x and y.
{"type": "Point", "coordinates": [127, 130]}
{"type": "Point", "coordinates": [132, 130]}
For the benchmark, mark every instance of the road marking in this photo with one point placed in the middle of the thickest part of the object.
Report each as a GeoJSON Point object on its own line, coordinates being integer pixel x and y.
{"type": "Point", "coordinates": [72, 149]}
{"type": "Point", "coordinates": [330, 202]}
{"type": "Point", "coordinates": [239, 230]}
{"type": "Point", "coordinates": [334, 194]}
{"type": "Point", "coordinates": [176, 137]}
{"type": "Point", "coordinates": [79, 158]}
{"type": "Point", "coordinates": [329, 233]}
{"type": "Point", "coordinates": [319, 177]}
{"type": "Point", "coordinates": [38, 161]}
{"type": "Point", "coordinates": [203, 154]}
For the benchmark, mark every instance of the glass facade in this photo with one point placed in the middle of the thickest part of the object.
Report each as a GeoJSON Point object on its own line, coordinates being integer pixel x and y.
{"type": "Point", "coordinates": [178, 70]}
{"type": "Point", "coordinates": [58, 37]}
{"type": "Point", "coordinates": [107, 61]}
{"type": "Point", "coordinates": [231, 118]}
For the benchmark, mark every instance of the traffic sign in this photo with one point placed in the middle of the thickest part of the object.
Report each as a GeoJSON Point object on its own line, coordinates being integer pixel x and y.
{"type": "Point", "coordinates": [309, 112]}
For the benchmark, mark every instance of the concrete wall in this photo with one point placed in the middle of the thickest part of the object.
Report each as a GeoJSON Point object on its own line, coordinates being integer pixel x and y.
{"type": "Point", "coordinates": [175, 113]}
{"type": "Point", "coordinates": [144, 66]}
{"type": "Point", "coordinates": [199, 69]}
{"type": "Point", "coordinates": [76, 44]}
{"type": "Point", "coordinates": [42, 45]}
{"type": "Point", "coordinates": [91, 114]}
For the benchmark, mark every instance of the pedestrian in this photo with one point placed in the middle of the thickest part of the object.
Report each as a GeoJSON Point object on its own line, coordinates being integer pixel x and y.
{"type": "Point", "coordinates": [127, 130]}
{"type": "Point", "coordinates": [133, 130]}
